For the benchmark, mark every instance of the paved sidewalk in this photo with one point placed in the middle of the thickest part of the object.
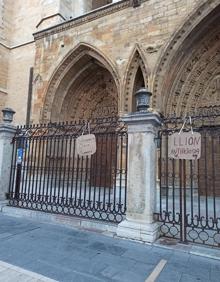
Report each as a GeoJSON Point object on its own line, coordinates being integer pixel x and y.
{"type": "Point", "coordinates": [66, 254]}
{"type": "Point", "coordinates": [10, 273]}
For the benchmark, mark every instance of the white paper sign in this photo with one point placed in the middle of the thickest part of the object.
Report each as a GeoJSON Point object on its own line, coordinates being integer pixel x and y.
{"type": "Point", "coordinates": [186, 145]}
{"type": "Point", "coordinates": [86, 145]}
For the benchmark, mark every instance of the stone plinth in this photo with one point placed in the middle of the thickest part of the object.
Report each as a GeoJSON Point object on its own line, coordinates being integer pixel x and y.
{"type": "Point", "coordinates": [141, 193]}
{"type": "Point", "coordinates": [7, 132]}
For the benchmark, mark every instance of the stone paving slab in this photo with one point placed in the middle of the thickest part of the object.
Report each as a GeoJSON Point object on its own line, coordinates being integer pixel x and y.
{"type": "Point", "coordinates": [9, 273]}
{"type": "Point", "coordinates": [198, 250]}
{"type": "Point", "coordinates": [68, 254]}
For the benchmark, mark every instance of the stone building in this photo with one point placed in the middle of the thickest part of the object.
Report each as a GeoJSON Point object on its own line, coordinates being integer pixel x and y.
{"type": "Point", "coordinates": [63, 60]}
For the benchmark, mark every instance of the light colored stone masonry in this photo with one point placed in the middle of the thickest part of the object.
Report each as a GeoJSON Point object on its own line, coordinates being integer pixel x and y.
{"type": "Point", "coordinates": [21, 60]}
{"type": "Point", "coordinates": [4, 68]}
{"type": "Point", "coordinates": [5, 13]}
{"type": "Point", "coordinates": [18, 21]}
{"type": "Point", "coordinates": [114, 34]}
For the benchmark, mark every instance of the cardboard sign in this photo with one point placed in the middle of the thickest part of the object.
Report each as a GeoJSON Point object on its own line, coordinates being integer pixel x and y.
{"type": "Point", "coordinates": [185, 145]}
{"type": "Point", "coordinates": [86, 145]}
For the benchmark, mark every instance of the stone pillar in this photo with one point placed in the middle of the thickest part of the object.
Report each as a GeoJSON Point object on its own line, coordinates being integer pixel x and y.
{"type": "Point", "coordinates": [7, 132]}
{"type": "Point", "coordinates": [141, 187]}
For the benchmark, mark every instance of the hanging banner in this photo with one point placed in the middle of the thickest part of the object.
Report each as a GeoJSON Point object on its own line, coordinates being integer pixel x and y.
{"type": "Point", "coordinates": [86, 145]}
{"type": "Point", "coordinates": [185, 145]}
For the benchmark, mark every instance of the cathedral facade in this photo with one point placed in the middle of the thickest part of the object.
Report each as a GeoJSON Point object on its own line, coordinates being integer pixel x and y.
{"type": "Point", "coordinates": [64, 60]}
{"type": "Point", "coordinates": [73, 67]}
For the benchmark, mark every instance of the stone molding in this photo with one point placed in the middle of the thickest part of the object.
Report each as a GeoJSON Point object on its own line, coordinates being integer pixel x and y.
{"type": "Point", "coordinates": [195, 77]}
{"type": "Point", "coordinates": [6, 129]}
{"type": "Point", "coordinates": [71, 59]}
{"type": "Point", "coordinates": [172, 47]}
{"type": "Point", "coordinates": [140, 122]}
{"type": "Point", "coordinates": [99, 91]}
{"type": "Point", "coordinates": [91, 16]}
{"type": "Point", "coordinates": [136, 59]}
{"type": "Point", "coordinates": [49, 17]}
{"type": "Point", "coordinates": [3, 91]}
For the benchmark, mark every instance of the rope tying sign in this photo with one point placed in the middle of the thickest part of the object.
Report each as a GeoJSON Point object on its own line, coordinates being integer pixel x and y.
{"type": "Point", "coordinates": [86, 144]}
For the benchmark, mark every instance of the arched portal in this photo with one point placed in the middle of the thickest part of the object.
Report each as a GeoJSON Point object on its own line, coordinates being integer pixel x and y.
{"type": "Point", "coordinates": [187, 81]}
{"type": "Point", "coordinates": [93, 94]}
{"type": "Point", "coordinates": [84, 86]}
{"type": "Point", "coordinates": [188, 74]}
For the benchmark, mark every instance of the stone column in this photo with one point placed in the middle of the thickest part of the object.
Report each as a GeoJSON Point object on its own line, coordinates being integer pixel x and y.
{"type": "Point", "coordinates": [141, 187]}
{"type": "Point", "coordinates": [7, 132]}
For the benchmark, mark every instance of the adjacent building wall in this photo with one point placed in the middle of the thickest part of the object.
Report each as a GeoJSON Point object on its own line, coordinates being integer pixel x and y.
{"type": "Point", "coordinates": [5, 28]}
{"type": "Point", "coordinates": [18, 21]}
{"type": "Point", "coordinates": [25, 15]}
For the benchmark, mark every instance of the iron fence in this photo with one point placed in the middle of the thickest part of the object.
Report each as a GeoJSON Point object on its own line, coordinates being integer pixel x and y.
{"type": "Point", "coordinates": [48, 175]}
{"type": "Point", "coordinates": [188, 196]}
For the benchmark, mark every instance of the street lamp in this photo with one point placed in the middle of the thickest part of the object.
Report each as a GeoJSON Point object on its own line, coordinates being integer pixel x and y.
{"type": "Point", "coordinates": [142, 99]}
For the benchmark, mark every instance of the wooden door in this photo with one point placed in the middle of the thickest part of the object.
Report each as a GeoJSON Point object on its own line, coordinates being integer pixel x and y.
{"type": "Point", "coordinates": [104, 161]}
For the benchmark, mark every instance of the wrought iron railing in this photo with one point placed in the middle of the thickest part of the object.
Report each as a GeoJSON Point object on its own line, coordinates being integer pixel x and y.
{"type": "Point", "coordinates": [48, 175]}
{"type": "Point", "coordinates": [188, 196]}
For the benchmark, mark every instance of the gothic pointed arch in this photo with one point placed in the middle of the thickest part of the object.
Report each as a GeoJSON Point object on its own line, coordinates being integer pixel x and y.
{"type": "Point", "coordinates": [83, 68]}
{"type": "Point", "coordinates": [189, 65]}
{"type": "Point", "coordinates": [137, 74]}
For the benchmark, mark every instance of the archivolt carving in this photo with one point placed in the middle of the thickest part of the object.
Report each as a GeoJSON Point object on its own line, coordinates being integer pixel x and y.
{"type": "Point", "coordinates": [212, 94]}
{"type": "Point", "coordinates": [195, 76]}
{"type": "Point", "coordinates": [62, 75]}
{"type": "Point", "coordinates": [170, 61]}
{"type": "Point", "coordinates": [137, 60]}
{"type": "Point", "coordinates": [95, 97]}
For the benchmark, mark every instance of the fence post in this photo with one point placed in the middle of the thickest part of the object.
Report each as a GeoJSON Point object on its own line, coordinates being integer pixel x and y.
{"type": "Point", "coordinates": [141, 187]}
{"type": "Point", "coordinates": [7, 131]}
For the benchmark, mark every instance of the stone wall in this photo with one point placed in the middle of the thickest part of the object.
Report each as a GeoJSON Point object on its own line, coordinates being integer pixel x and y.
{"type": "Point", "coordinates": [3, 77]}
{"type": "Point", "coordinates": [127, 38]}
{"type": "Point", "coordinates": [5, 23]}
{"type": "Point", "coordinates": [21, 18]}
{"type": "Point", "coordinates": [118, 33]}
{"type": "Point", "coordinates": [21, 60]}
{"type": "Point", "coordinates": [18, 21]}
{"type": "Point", "coordinates": [5, 26]}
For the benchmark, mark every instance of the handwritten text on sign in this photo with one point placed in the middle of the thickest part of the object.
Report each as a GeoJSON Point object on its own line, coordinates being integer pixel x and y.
{"type": "Point", "coordinates": [86, 145]}
{"type": "Point", "coordinates": [185, 145]}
